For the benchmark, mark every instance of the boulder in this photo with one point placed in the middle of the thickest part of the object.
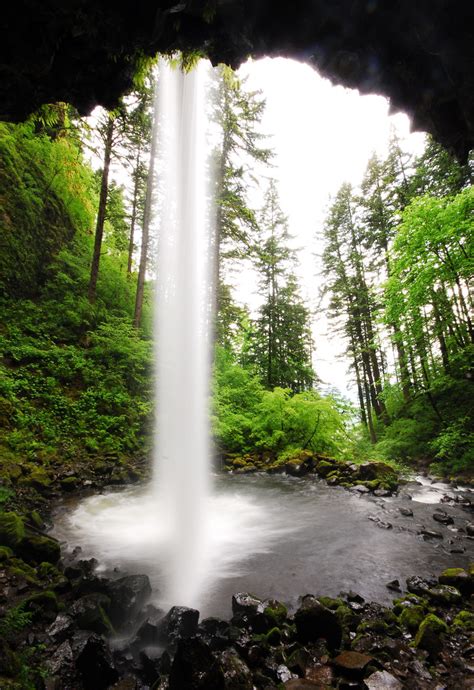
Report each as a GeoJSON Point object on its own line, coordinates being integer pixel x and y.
{"type": "Point", "coordinates": [179, 623]}
{"type": "Point", "coordinates": [43, 605]}
{"type": "Point", "coordinates": [12, 529]}
{"type": "Point", "coordinates": [377, 470]}
{"type": "Point", "coordinates": [237, 675]}
{"type": "Point", "coordinates": [352, 664]}
{"type": "Point", "coordinates": [36, 548]}
{"type": "Point", "coordinates": [314, 621]}
{"type": "Point", "coordinates": [417, 585]}
{"type": "Point", "coordinates": [444, 595]}
{"type": "Point", "coordinates": [194, 667]}
{"type": "Point", "coordinates": [61, 628]}
{"type": "Point", "coordinates": [443, 518]}
{"type": "Point", "coordinates": [406, 512]}
{"type": "Point", "coordinates": [470, 529]}
{"type": "Point", "coordinates": [459, 578]}
{"type": "Point", "coordinates": [325, 467]}
{"type": "Point", "coordinates": [127, 596]}
{"type": "Point", "coordinates": [90, 613]}
{"type": "Point", "coordinates": [93, 660]}
{"type": "Point", "coordinates": [430, 634]}
{"type": "Point", "coordinates": [382, 680]}
{"type": "Point", "coordinates": [412, 616]}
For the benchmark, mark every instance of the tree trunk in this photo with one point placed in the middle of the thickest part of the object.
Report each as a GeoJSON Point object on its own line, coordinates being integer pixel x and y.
{"type": "Point", "coordinates": [99, 228]}
{"type": "Point", "coordinates": [134, 216]}
{"type": "Point", "coordinates": [146, 218]}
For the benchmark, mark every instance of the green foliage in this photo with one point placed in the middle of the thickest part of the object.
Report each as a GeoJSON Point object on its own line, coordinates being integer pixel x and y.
{"type": "Point", "coordinates": [14, 621]}
{"type": "Point", "coordinates": [248, 418]}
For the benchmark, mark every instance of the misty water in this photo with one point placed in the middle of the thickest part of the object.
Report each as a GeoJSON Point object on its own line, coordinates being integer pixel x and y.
{"type": "Point", "coordinates": [275, 536]}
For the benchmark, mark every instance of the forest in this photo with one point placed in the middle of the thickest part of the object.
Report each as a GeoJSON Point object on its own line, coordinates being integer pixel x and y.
{"type": "Point", "coordinates": [78, 237]}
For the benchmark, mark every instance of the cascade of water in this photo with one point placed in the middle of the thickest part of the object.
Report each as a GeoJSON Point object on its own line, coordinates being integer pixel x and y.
{"type": "Point", "coordinates": [183, 318]}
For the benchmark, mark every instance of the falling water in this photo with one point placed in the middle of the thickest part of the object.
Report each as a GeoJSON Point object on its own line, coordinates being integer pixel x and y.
{"type": "Point", "coordinates": [182, 328]}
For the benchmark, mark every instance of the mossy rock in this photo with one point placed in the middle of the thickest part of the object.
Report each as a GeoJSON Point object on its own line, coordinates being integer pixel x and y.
{"type": "Point", "coordinates": [273, 637]}
{"type": "Point", "coordinates": [18, 568]}
{"type": "Point", "coordinates": [39, 548]}
{"type": "Point", "coordinates": [12, 529]}
{"type": "Point", "coordinates": [36, 519]}
{"type": "Point", "coordinates": [324, 468]}
{"type": "Point", "coordinates": [446, 595]}
{"type": "Point", "coordinates": [43, 606]}
{"type": "Point", "coordinates": [331, 603]}
{"type": "Point", "coordinates": [465, 621]}
{"type": "Point", "coordinates": [430, 634]}
{"type": "Point", "coordinates": [69, 483]}
{"type": "Point", "coordinates": [377, 625]}
{"type": "Point", "coordinates": [457, 577]}
{"type": "Point", "coordinates": [347, 618]}
{"type": "Point", "coordinates": [373, 484]}
{"type": "Point", "coordinates": [5, 553]}
{"type": "Point", "coordinates": [239, 462]}
{"type": "Point", "coordinates": [276, 613]}
{"type": "Point", "coordinates": [411, 617]}
{"type": "Point", "coordinates": [38, 479]}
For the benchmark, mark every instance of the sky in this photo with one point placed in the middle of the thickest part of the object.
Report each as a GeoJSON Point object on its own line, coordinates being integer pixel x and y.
{"type": "Point", "coordinates": [322, 135]}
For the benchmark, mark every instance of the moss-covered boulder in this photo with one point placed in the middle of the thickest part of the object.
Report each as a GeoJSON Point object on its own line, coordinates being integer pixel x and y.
{"type": "Point", "coordinates": [314, 621]}
{"type": "Point", "coordinates": [37, 548]}
{"type": "Point", "coordinates": [43, 606]}
{"type": "Point", "coordinates": [411, 617]}
{"type": "Point", "coordinates": [325, 467]}
{"type": "Point", "coordinates": [12, 529]}
{"type": "Point", "coordinates": [445, 595]}
{"type": "Point", "coordinates": [459, 578]}
{"type": "Point", "coordinates": [430, 634]}
{"type": "Point", "coordinates": [464, 621]}
{"type": "Point", "coordinates": [69, 483]}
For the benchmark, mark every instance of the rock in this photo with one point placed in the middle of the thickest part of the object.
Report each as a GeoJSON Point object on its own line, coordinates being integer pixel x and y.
{"type": "Point", "coordinates": [377, 470]}
{"type": "Point", "coordinates": [444, 594]}
{"type": "Point", "coordinates": [61, 628]}
{"type": "Point", "coordinates": [465, 621]}
{"type": "Point", "coordinates": [61, 660]}
{"type": "Point", "coordinates": [457, 577]}
{"type": "Point", "coordinates": [412, 616]}
{"type": "Point", "coordinates": [39, 548]}
{"type": "Point", "coordinates": [320, 674]}
{"type": "Point", "coordinates": [382, 680]}
{"type": "Point", "coordinates": [93, 660]}
{"type": "Point", "coordinates": [43, 605]}
{"type": "Point", "coordinates": [382, 493]}
{"type": "Point", "coordinates": [406, 512]}
{"type": "Point", "coordinates": [325, 467]}
{"type": "Point", "coordinates": [352, 664]}
{"type": "Point", "coordinates": [243, 602]}
{"type": "Point", "coordinates": [430, 633]}
{"type": "Point", "coordinates": [237, 675]}
{"type": "Point", "coordinates": [179, 623]}
{"type": "Point", "coordinates": [417, 585]}
{"type": "Point", "coordinates": [360, 488]}
{"type": "Point", "coordinates": [430, 534]}
{"type": "Point", "coordinates": [194, 667]}
{"type": "Point", "coordinates": [12, 529]}
{"type": "Point", "coordinates": [69, 483]}
{"type": "Point", "coordinates": [127, 596]}
{"type": "Point", "coordinates": [90, 613]}
{"type": "Point", "coordinates": [443, 518]}
{"type": "Point", "coordinates": [303, 684]}
{"type": "Point", "coordinates": [313, 621]}
{"type": "Point", "coordinates": [215, 633]}
{"type": "Point", "coordinates": [394, 585]}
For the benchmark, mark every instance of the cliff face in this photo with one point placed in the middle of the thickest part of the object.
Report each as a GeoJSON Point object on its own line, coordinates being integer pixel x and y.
{"type": "Point", "coordinates": [420, 54]}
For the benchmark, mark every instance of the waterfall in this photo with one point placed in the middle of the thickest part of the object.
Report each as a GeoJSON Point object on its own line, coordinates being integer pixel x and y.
{"type": "Point", "coordinates": [183, 329]}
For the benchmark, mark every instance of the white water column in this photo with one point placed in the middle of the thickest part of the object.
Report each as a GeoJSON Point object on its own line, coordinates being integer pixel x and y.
{"type": "Point", "coordinates": [183, 330]}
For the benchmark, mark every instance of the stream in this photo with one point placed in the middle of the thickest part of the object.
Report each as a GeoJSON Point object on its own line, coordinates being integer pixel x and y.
{"type": "Point", "coordinates": [278, 537]}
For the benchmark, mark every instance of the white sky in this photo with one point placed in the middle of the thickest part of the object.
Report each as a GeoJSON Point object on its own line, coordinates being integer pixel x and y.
{"type": "Point", "coordinates": [322, 135]}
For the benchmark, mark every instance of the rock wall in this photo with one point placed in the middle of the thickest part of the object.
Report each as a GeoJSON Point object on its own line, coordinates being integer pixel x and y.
{"type": "Point", "coordinates": [420, 54]}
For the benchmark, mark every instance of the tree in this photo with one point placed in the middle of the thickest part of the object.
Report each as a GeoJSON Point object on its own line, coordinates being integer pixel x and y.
{"type": "Point", "coordinates": [282, 340]}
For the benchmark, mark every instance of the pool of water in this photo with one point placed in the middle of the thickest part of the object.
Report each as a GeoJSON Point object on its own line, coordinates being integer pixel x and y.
{"type": "Point", "coordinates": [275, 536]}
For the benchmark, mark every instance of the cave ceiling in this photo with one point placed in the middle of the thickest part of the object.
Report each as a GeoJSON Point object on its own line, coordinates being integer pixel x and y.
{"type": "Point", "coordinates": [419, 53]}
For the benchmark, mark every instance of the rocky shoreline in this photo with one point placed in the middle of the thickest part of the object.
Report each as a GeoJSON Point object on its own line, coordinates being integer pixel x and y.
{"type": "Point", "coordinates": [65, 627]}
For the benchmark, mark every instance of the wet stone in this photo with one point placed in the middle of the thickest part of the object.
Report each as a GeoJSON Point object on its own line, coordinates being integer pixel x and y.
{"type": "Point", "coordinates": [394, 586]}
{"type": "Point", "coordinates": [443, 518]}
{"type": "Point", "coordinates": [180, 622]}
{"type": "Point", "coordinates": [382, 680]}
{"type": "Point", "coordinates": [352, 663]}
{"type": "Point", "coordinates": [314, 621]}
{"type": "Point", "coordinates": [406, 512]}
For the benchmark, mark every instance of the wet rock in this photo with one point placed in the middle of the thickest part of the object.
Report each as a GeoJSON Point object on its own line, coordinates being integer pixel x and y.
{"type": "Point", "coordinates": [412, 616]}
{"type": "Point", "coordinates": [215, 633]}
{"type": "Point", "coordinates": [382, 493]}
{"type": "Point", "coordinates": [61, 660]}
{"type": "Point", "coordinates": [237, 675]}
{"type": "Point", "coordinates": [443, 518]}
{"type": "Point", "coordinates": [243, 602]}
{"type": "Point", "coordinates": [303, 684]}
{"type": "Point", "coordinates": [194, 667]}
{"type": "Point", "coordinates": [43, 606]}
{"type": "Point", "coordinates": [325, 467]}
{"type": "Point", "coordinates": [394, 586]}
{"type": "Point", "coordinates": [360, 488]}
{"type": "Point", "coordinates": [127, 596]}
{"type": "Point", "coordinates": [470, 529]}
{"type": "Point", "coordinates": [430, 534]}
{"type": "Point", "coordinates": [39, 548]}
{"type": "Point", "coordinates": [444, 595]}
{"type": "Point", "coordinates": [90, 613]}
{"type": "Point", "coordinates": [179, 623]}
{"type": "Point", "coordinates": [93, 660]}
{"type": "Point", "coordinates": [382, 680]}
{"type": "Point", "coordinates": [380, 523]}
{"type": "Point", "coordinates": [430, 633]}
{"type": "Point", "coordinates": [61, 628]}
{"type": "Point", "coordinates": [418, 585]}
{"type": "Point", "coordinates": [457, 577]}
{"type": "Point", "coordinates": [320, 674]}
{"type": "Point", "coordinates": [351, 663]}
{"type": "Point", "coordinates": [377, 470]}
{"type": "Point", "coordinates": [406, 512]}
{"type": "Point", "coordinates": [314, 621]}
